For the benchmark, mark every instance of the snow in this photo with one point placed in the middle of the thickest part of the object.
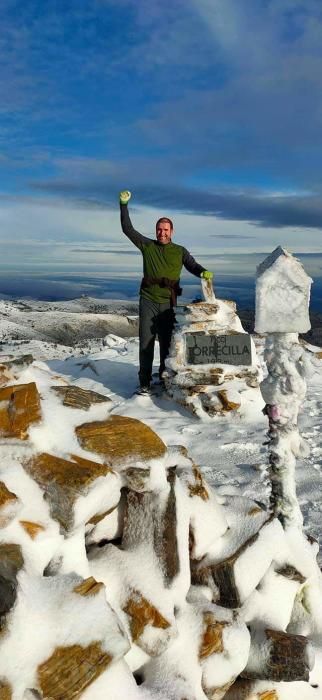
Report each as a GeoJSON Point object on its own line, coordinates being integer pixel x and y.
{"type": "Point", "coordinates": [70, 619]}
{"type": "Point", "coordinates": [232, 457]}
{"type": "Point", "coordinates": [282, 295]}
{"type": "Point", "coordinates": [116, 683]}
{"type": "Point", "coordinates": [206, 518]}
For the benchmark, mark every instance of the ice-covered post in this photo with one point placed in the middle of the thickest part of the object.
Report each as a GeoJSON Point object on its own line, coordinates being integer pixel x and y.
{"type": "Point", "coordinates": [208, 291]}
{"type": "Point", "coordinates": [282, 312]}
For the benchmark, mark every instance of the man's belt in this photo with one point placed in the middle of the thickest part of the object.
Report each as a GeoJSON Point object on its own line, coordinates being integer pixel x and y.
{"type": "Point", "coordinates": [173, 285]}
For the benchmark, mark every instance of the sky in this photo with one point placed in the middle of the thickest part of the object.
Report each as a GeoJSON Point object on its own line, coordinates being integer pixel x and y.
{"type": "Point", "coordinates": [209, 111]}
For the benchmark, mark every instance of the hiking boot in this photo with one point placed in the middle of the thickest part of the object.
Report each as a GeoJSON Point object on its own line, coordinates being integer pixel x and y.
{"type": "Point", "coordinates": [144, 390]}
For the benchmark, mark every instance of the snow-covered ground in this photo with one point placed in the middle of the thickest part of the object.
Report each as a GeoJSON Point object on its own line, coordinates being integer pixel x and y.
{"type": "Point", "coordinates": [230, 451]}
{"type": "Point", "coordinates": [79, 324]}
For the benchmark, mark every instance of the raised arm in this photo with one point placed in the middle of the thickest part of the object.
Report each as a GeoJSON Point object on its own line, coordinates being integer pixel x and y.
{"type": "Point", "coordinates": [127, 227]}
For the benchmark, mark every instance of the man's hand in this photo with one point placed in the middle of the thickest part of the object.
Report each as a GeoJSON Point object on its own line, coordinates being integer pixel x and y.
{"type": "Point", "coordinates": [125, 196]}
{"type": "Point", "coordinates": [206, 275]}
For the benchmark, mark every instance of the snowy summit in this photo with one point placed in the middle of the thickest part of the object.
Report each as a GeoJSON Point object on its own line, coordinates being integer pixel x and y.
{"type": "Point", "coordinates": [139, 555]}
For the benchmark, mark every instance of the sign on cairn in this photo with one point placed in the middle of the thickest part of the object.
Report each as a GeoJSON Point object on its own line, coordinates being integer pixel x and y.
{"type": "Point", "coordinates": [212, 363]}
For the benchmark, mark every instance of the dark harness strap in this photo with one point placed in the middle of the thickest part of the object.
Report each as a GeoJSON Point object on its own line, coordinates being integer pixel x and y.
{"type": "Point", "coordinates": [173, 285]}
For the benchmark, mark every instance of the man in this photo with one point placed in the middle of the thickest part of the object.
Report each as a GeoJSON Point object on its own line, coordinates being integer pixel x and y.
{"type": "Point", "coordinates": [162, 264]}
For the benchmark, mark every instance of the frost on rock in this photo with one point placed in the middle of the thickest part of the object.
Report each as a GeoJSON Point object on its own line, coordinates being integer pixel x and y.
{"type": "Point", "coordinates": [211, 388]}
{"type": "Point", "coordinates": [282, 311]}
{"type": "Point", "coordinates": [122, 575]}
{"type": "Point", "coordinates": [78, 638]}
{"type": "Point", "coordinates": [282, 295]}
{"type": "Point", "coordinates": [72, 487]}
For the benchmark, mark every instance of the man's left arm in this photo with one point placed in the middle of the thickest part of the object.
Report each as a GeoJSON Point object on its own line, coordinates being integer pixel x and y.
{"type": "Point", "coordinates": [191, 264]}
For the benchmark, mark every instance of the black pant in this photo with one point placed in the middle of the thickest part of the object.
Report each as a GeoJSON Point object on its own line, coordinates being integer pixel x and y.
{"type": "Point", "coordinates": [156, 320]}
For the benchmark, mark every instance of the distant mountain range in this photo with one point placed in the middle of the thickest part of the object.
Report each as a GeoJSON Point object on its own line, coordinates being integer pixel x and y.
{"type": "Point", "coordinates": [314, 336]}
{"type": "Point", "coordinates": [80, 325]}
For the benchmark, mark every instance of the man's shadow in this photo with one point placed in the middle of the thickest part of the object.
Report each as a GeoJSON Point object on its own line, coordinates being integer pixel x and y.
{"type": "Point", "coordinates": [115, 377]}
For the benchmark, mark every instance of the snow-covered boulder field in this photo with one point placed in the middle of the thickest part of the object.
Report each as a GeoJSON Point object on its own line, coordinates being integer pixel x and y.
{"type": "Point", "coordinates": [124, 575]}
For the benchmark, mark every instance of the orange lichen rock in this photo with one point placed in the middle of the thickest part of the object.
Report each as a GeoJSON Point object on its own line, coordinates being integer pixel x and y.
{"type": "Point", "coordinates": [32, 529]}
{"type": "Point", "coordinates": [100, 516]}
{"type": "Point", "coordinates": [63, 481]}
{"type": "Point", "coordinates": [8, 501]}
{"type": "Point", "coordinates": [143, 613]}
{"type": "Point", "coordinates": [6, 496]}
{"type": "Point", "coordinates": [120, 438]}
{"type": "Point", "coordinates": [48, 469]}
{"type": "Point", "coordinates": [70, 670]}
{"type": "Point", "coordinates": [20, 408]}
{"type": "Point", "coordinates": [88, 464]}
{"type": "Point", "coordinates": [198, 487]}
{"type": "Point", "coordinates": [227, 404]}
{"type": "Point", "coordinates": [212, 638]}
{"type": "Point", "coordinates": [88, 587]}
{"type": "Point", "coordinates": [5, 691]}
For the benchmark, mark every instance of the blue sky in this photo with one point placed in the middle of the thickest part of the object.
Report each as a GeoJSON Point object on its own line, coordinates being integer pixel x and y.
{"type": "Point", "coordinates": [210, 111]}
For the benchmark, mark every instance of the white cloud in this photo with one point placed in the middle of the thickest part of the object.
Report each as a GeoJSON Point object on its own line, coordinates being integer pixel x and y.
{"type": "Point", "coordinates": [36, 234]}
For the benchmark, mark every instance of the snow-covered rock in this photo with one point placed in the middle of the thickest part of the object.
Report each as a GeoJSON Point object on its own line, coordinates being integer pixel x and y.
{"type": "Point", "coordinates": [100, 537]}
{"type": "Point", "coordinates": [282, 295]}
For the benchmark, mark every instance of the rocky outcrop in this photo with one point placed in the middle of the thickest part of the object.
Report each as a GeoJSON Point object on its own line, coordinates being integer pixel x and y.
{"type": "Point", "coordinates": [133, 565]}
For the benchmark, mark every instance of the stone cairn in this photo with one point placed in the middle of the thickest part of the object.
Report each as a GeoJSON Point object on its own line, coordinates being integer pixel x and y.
{"type": "Point", "coordinates": [121, 573]}
{"type": "Point", "coordinates": [205, 373]}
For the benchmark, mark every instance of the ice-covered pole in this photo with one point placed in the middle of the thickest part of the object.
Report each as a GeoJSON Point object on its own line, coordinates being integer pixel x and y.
{"type": "Point", "coordinates": [208, 290]}
{"type": "Point", "coordinates": [282, 312]}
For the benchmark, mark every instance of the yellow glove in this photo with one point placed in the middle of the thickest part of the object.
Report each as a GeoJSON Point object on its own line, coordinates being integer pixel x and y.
{"type": "Point", "coordinates": [206, 275]}
{"type": "Point", "coordinates": [125, 196]}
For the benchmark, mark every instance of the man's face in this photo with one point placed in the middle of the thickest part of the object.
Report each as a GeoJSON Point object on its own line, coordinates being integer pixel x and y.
{"type": "Point", "coordinates": [163, 232]}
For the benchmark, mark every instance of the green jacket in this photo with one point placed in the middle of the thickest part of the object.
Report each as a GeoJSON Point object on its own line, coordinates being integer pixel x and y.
{"type": "Point", "coordinates": [159, 260]}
